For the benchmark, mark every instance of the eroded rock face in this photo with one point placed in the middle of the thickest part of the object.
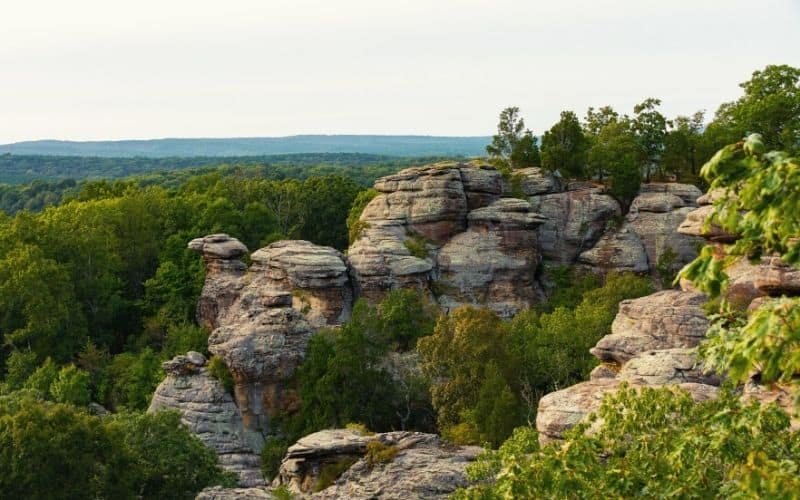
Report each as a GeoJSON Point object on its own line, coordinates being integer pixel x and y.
{"type": "Point", "coordinates": [668, 366]}
{"type": "Point", "coordinates": [561, 410]}
{"type": "Point", "coordinates": [666, 319]}
{"type": "Point", "coordinates": [649, 232]}
{"type": "Point", "coordinates": [262, 341]}
{"type": "Point", "coordinates": [211, 414]}
{"type": "Point", "coordinates": [576, 219]}
{"type": "Point", "coordinates": [494, 261]}
{"type": "Point", "coordinates": [424, 467]}
{"type": "Point", "coordinates": [430, 200]}
{"type": "Point", "coordinates": [224, 271]}
{"type": "Point", "coordinates": [381, 261]}
{"type": "Point", "coordinates": [316, 276]}
{"type": "Point", "coordinates": [621, 251]}
{"type": "Point", "coordinates": [220, 493]}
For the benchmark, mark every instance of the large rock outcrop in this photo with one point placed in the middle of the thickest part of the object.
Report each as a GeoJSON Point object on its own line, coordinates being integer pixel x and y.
{"type": "Point", "coordinates": [445, 230]}
{"type": "Point", "coordinates": [576, 219]}
{"type": "Point", "coordinates": [263, 316]}
{"type": "Point", "coordinates": [224, 272]}
{"type": "Point", "coordinates": [494, 261]}
{"type": "Point", "coordinates": [663, 320]}
{"type": "Point", "coordinates": [317, 277]}
{"type": "Point", "coordinates": [423, 467]}
{"type": "Point", "coordinates": [262, 341]}
{"type": "Point", "coordinates": [211, 414]}
{"type": "Point", "coordinates": [649, 237]}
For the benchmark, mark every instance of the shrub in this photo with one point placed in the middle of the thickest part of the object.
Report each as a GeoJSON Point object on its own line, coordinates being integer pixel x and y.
{"type": "Point", "coordinates": [653, 443]}
{"type": "Point", "coordinates": [665, 267]}
{"type": "Point", "coordinates": [354, 225]}
{"type": "Point", "coordinates": [417, 245]}
{"type": "Point", "coordinates": [71, 386]}
{"type": "Point", "coordinates": [359, 428]}
{"type": "Point", "coordinates": [271, 456]}
{"type": "Point", "coordinates": [219, 370]}
{"type": "Point", "coordinates": [331, 471]}
{"type": "Point", "coordinates": [380, 453]}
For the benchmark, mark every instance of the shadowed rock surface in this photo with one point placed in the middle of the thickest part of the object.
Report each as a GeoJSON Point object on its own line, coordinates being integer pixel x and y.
{"type": "Point", "coordinates": [211, 414]}
{"type": "Point", "coordinates": [424, 466]}
{"type": "Point", "coordinates": [663, 320]}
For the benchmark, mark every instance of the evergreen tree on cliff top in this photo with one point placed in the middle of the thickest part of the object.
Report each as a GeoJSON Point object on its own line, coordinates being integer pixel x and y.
{"type": "Point", "coordinates": [513, 146]}
{"type": "Point", "coordinates": [564, 147]}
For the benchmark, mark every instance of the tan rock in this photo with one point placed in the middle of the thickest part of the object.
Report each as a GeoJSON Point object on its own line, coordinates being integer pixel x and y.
{"type": "Point", "coordinates": [576, 219]}
{"type": "Point", "coordinates": [210, 413]}
{"type": "Point", "coordinates": [561, 410]}
{"type": "Point", "coordinates": [316, 276]}
{"type": "Point", "coordinates": [667, 366]}
{"type": "Point", "coordinates": [493, 262]}
{"type": "Point", "coordinates": [667, 319]}
{"type": "Point", "coordinates": [224, 271]}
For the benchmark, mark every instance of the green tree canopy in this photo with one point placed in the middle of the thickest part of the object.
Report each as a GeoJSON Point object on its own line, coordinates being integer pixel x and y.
{"type": "Point", "coordinates": [564, 147]}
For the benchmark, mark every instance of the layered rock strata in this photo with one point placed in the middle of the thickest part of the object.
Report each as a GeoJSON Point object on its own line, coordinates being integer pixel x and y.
{"type": "Point", "coordinates": [423, 467]}
{"type": "Point", "coordinates": [211, 414]}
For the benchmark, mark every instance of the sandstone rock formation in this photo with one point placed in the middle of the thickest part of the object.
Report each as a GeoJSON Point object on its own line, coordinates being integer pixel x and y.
{"type": "Point", "coordinates": [424, 466]}
{"type": "Point", "coordinates": [445, 231]}
{"type": "Point", "coordinates": [211, 414]}
{"type": "Point", "coordinates": [220, 493]}
{"type": "Point", "coordinates": [649, 232]}
{"type": "Point", "coordinates": [224, 271]}
{"type": "Point", "coordinates": [494, 261]}
{"type": "Point", "coordinates": [262, 340]}
{"type": "Point", "coordinates": [576, 219]}
{"type": "Point", "coordinates": [317, 277]}
{"type": "Point", "coordinates": [666, 319]}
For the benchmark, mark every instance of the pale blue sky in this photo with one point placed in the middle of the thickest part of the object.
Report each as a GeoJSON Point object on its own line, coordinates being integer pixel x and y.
{"type": "Point", "coordinates": [89, 69]}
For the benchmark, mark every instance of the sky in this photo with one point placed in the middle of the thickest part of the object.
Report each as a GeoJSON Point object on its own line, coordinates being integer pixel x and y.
{"type": "Point", "coordinates": [103, 69]}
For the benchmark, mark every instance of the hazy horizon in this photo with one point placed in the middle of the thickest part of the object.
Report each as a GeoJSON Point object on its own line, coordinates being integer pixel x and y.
{"type": "Point", "coordinates": [94, 71]}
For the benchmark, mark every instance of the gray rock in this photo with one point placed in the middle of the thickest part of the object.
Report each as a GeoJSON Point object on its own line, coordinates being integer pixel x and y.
{"type": "Point", "coordinates": [211, 414]}
{"type": "Point", "coordinates": [224, 272]}
{"type": "Point", "coordinates": [668, 366]}
{"type": "Point", "coordinates": [220, 493]}
{"type": "Point", "coordinates": [317, 277]}
{"type": "Point", "coordinates": [424, 467]}
{"type": "Point", "coordinates": [576, 219]}
{"type": "Point", "coordinates": [492, 264]}
{"type": "Point", "coordinates": [535, 181]}
{"type": "Point", "coordinates": [618, 250]}
{"type": "Point", "coordinates": [666, 319]}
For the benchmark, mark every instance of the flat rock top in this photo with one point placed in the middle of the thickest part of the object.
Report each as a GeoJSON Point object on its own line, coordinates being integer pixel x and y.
{"type": "Point", "coordinates": [329, 442]}
{"type": "Point", "coordinates": [507, 210]}
{"type": "Point", "coordinates": [687, 192]}
{"type": "Point", "coordinates": [218, 246]}
{"type": "Point", "coordinates": [293, 254]}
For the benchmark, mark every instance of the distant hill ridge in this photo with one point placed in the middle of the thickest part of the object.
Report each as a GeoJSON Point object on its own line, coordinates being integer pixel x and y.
{"type": "Point", "coordinates": [392, 145]}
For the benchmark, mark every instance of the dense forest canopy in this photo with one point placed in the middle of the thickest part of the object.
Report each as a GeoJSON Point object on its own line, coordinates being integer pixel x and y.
{"type": "Point", "coordinates": [97, 289]}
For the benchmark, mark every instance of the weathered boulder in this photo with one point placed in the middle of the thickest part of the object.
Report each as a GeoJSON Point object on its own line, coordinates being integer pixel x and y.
{"type": "Point", "coordinates": [663, 320]}
{"type": "Point", "coordinates": [224, 270]}
{"type": "Point", "coordinates": [424, 466]}
{"type": "Point", "coordinates": [768, 277]}
{"type": "Point", "coordinates": [211, 414]}
{"type": "Point", "coordinates": [667, 366]}
{"type": "Point", "coordinates": [381, 261]}
{"type": "Point", "coordinates": [655, 217]}
{"type": "Point", "coordinates": [535, 181]}
{"type": "Point", "coordinates": [778, 394]}
{"type": "Point", "coordinates": [649, 235]}
{"type": "Point", "coordinates": [576, 219]}
{"type": "Point", "coordinates": [618, 250]}
{"type": "Point", "coordinates": [316, 276]}
{"type": "Point", "coordinates": [220, 493]}
{"type": "Point", "coordinates": [561, 410]}
{"type": "Point", "coordinates": [493, 262]}
{"type": "Point", "coordinates": [688, 193]}
{"type": "Point", "coordinates": [430, 200]}
{"type": "Point", "coordinates": [262, 341]}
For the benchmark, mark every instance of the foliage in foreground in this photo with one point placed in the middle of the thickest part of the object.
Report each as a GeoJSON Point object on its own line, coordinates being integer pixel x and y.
{"type": "Point", "coordinates": [54, 450]}
{"type": "Point", "coordinates": [653, 443]}
{"type": "Point", "coordinates": [760, 203]}
{"type": "Point", "coordinates": [489, 374]}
